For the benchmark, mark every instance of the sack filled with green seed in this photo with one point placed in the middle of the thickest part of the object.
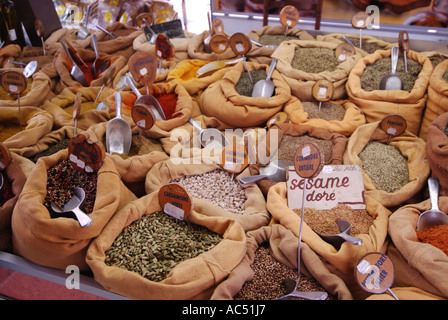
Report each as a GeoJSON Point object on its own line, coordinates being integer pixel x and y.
{"type": "Point", "coordinates": [143, 253]}
{"type": "Point", "coordinates": [437, 151]}
{"type": "Point", "coordinates": [393, 173]}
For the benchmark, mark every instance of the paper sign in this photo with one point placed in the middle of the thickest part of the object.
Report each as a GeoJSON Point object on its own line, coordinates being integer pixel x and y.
{"type": "Point", "coordinates": [85, 155]}
{"type": "Point", "coordinates": [336, 184]}
{"type": "Point", "coordinates": [375, 272]}
{"type": "Point", "coordinates": [175, 201]}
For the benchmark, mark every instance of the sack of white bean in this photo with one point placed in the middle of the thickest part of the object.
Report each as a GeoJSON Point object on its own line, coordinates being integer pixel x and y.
{"type": "Point", "coordinates": [143, 253]}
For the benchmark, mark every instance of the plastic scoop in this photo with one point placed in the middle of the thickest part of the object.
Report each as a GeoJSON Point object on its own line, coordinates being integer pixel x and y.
{"type": "Point", "coordinates": [338, 239]}
{"type": "Point", "coordinates": [76, 71]}
{"type": "Point", "coordinates": [275, 171]}
{"type": "Point", "coordinates": [392, 81]}
{"type": "Point", "coordinates": [216, 65]}
{"type": "Point", "coordinates": [434, 216]}
{"type": "Point", "coordinates": [118, 132]}
{"type": "Point", "coordinates": [265, 88]}
{"type": "Point", "coordinates": [292, 292]}
{"type": "Point", "coordinates": [269, 46]}
{"type": "Point", "coordinates": [74, 205]}
{"type": "Point", "coordinates": [99, 65]}
{"type": "Point", "coordinates": [210, 138]}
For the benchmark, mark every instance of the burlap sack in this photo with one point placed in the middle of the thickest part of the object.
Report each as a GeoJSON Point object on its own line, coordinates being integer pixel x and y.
{"type": "Point", "coordinates": [263, 54]}
{"type": "Point", "coordinates": [340, 262]}
{"type": "Point", "coordinates": [17, 180]}
{"type": "Point", "coordinates": [9, 52]}
{"type": "Point", "coordinates": [437, 102]}
{"type": "Point", "coordinates": [191, 279]}
{"type": "Point", "coordinates": [53, 42]}
{"type": "Point", "coordinates": [417, 264]}
{"type": "Point", "coordinates": [39, 91]}
{"type": "Point", "coordinates": [353, 118]}
{"type": "Point", "coordinates": [301, 82]}
{"type": "Point", "coordinates": [161, 75]}
{"type": "Point", "coordinates": [255, 214]}
{"type": "Point", "coordinates": [376, 104]}
{"type": "Point", "coordinates": [196, 49]}
{"type": "Point", "coordinates": [61, 242]}
{"type": "Point", "coordinates": [437, 151]}
{"type": "Point", "coordinates": [411, 146]}
{"type": "Point", "coordinates": [41, 147]}
{"type": "Point", "coordinates": [284, 247]}
{"type": "Point", "coordinates": [222, 101]}
{"type": "Point", "coordinates": [408, 293]}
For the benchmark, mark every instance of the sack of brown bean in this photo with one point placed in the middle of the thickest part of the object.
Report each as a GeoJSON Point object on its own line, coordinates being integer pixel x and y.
{"type": "Point", "coordinates": [363, 87]}
{"type": "Point", "coordinates": [215, 191]}
{"type": "Point", "coordinates": [143, 253]}
{"type": "Point", "coordinates": [198, 50]}
{"type": "Point", "coordinates": [302, 63]}
{"type": "Point", "coordinates": [340, 116]}
{"type": "Point", "coordinates": [369, 224]}
{"type": "Point", "coordinates": [420, 257]}
{"type": "Point", "coordinates": [437, 151]}
{"type": "Point", "coordinates": [54, 239]}
{"type": "Point", "coordinates": [272, 257]}
{"type": "Point", "coordinates": [437, 97]}
{"type": "Point", "coordinates": [272, 35]}
{"type": "Point", "coordinates": [393, 173]}
{"type": "Point", "coordinates": [230, 99]}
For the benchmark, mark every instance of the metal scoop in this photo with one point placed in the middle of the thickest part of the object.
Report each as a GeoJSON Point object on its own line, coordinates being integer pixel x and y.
{"type": "Point", "coordinates": [265, 88]}
{"type": "Point", "coordinates": [110, 34]}
{"type": "Point", "coordinates": [392, 81]}
{"type": "Point", "coordinates": [216, 65]}
{"type": "Point", "coordinates": [83, 32]}
{"type": "Point", "coordinates": [275, 171]}
{"type": "Point", "coordinates": [269, 46]}
{"type": "Point", "coordinates": [2, 181]}
{"type": "Point", "coordinates": [118, 132]}
{"type": "Point", "coordinates": [99, 65]}
{"type": "Point", "coordinates": [338, 239]}
{"type": "Point", "coordinates": [434, 216]}
{"type": "Point", "coordinates": [291, 287]}
{"type": "Point", "coordinates": [147, 100]}
{"type": "Point", "coordinates": [29, 68]}
{"type": "Point", "coordinates": [210, 138]}
{"type": "Point", "coordinates": [74, 205]}
{"type": "Point", "coordinates": [76, 71]}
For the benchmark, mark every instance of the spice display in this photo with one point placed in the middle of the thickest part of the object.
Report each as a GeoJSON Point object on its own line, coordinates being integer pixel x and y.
{"type": "Point", "coordinates": [244, 87]}
{"type": "Point", "coordinates": [385, 165]}
{"type": "Point", "coordinates": [6, 191]}
{"type": "Point", "coordinates": [268, 276]}
{"type": "Point", "coordinates": [62, 178]}
{"type": "Point", "coordinates": [218, 187]}
{"type": "Point", "coordinates": [12, 97]}
{"type": "Point", "coordinates": [328, 110]}
{"type": "Point", "coordinates": [289, 144]}
{"type": "Point", "coordinates": [314, 60]}
{"type": "Point", "coordinates": [435, 235]}
{"type": "Point", "coordinates": [52, 149]}
{"type": "Point", "coordinates": [368, 47]}
{"type": "Point", "coordinates": [275, 39]}
{"type": "Point", "coordinates": [168, 103]}
{"type": "Point", "coordinates": [153, 245]}
{"type": "Point", "coordinates": [372, 75]}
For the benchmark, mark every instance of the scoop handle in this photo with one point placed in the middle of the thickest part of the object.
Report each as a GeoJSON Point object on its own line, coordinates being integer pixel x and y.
{"type": "Point", "coordinates": [252, 179]}
{"type": "Point", "coordinates": [433, 185]}
{"type": "Point", "coordinates": [131, 84]}
{"type": "Point", "coordinates": [118, 104]}
{"type": "Point", "coordinates": [394, 58]}
{"type": "Point", "coordinates": [194, 123]}
{"type": "Point", "coordinates": [352, 240]}
{"type": "Point", "coordinates": [83, 219]}
{"type": "Point", "coordinates": [95, 45]}
{"type": "Point", "coordinates": [310, 295]}
{"type": "Point", "coordinates": [271, 69]}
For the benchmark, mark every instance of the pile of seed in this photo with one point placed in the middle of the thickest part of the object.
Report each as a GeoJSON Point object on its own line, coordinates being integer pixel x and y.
{"type": "Point", "coordinates": [314, 60]}
{"type": "Point", "coordinates": [328, 110]}
{"type": "Point", "coordinates": [218, 187]}
{"type": "Point", "coordinates": [153, 245]}
{"type": "Point", "coordinates": [275, 39]}
{"type": "Point", "coordinates": [268, 276]}
{"type": "Point", "coordinates": [324, 221]}
{"type": "Point", "coordinates": [244, 87]}
{"type": "Point", "coordinates": [289, 144]}
{"type": "Point", "coordinates": [52, 149]}
{"type": "Point", "coordinates": [385, 165]}
{"type": "Point", "coordinates": [372, 75]}
{"type": "Point", "coordinates": [366, 46]}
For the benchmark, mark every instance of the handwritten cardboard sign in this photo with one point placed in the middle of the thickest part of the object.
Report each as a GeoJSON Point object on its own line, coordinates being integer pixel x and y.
{"type": "Point", "coordinates": [175, 201]}
{"type": "Point", "coordinates": [335, 184]}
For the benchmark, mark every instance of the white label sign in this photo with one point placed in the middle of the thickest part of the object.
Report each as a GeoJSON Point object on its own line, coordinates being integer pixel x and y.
{"type": "Point", "coordinates": [336, 184]}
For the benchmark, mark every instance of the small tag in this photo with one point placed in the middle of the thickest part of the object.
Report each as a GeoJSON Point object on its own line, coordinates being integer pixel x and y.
{"type": "Point", "coordinates": [173, 211]}
{"type": "Point", "coordinates": [13, 82]}
{"type": "Point", "coordinates": [363, 266]}
{"type": "Point", "coordinates": [289, 16]}
{"type": "Point", "coordinates": [175, 200]}
{"type": "Point", "coordinates": [306, 151]}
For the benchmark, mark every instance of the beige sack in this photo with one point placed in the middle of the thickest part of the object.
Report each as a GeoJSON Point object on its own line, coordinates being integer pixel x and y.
{"type": "Point", "coordinates": [408, 293]}
{"type": "Point", "coordinates": [437, 151]}
{"type": "Point", "coordinates": [196, 49]}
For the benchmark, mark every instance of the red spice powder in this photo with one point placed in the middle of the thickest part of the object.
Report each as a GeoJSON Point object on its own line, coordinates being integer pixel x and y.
{"type": "Point", "coordinates": [435, 235]}
{"type": "Point", "coordinates": [168, 102]}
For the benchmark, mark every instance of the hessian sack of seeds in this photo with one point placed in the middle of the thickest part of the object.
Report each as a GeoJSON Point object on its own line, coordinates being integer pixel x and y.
{"type": "Point", "coordinates": [196, 49]}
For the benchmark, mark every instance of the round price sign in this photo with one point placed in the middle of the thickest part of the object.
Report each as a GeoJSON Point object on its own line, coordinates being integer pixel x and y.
{"type": "Point", "coordinates": [85, 155]}
{"type": "Point", "coordinates": [240, 43]}
{"type": "Point", "coordinates": [143, 116]}
{"type": "Point", "coordinates": [323, 90]}
{"type": "Point", "coordinates": [14, 82]}
{"type": "Point", "coordinates": [393, 124]}
{"type": "Point", "coordinates": [219, 43]}
{"type": "Point", "coordinates": [359, 20]}
{"type": "Point", "coordinates": [343, 51]}
{"type": "Point", "coordinates": [289, 16]}
{"type": "Point", "coordinates": [175, 201]}
{"type": "Point", "coordinates": [143, 67]}
{"type": "Point", "coordinates": [374, 272]}
{"type": "Point", "coordinates": [308, 161]}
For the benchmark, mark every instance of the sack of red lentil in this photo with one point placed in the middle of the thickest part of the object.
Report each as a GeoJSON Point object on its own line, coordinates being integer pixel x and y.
{"type": "Point", "coordinates": [407, 293]}
{"type": "Point", "coordinates": [272, 35]}
{"type": "Point", "coordinates": [215, 191]}
{"type": "Point", "coordinates": [237, 108]}
{"type": "Point", "coordinates": [437, 103]}
{"type": "Point", "coordinates": [341, 116]}
{"type": "Point", "coordinates": [37, 91]}
{"type": "Point", "coordinates": [393, 173]}
{"type": "Point", "coordinates": [56, 239]}
{"type": "Point", "coordinates": [272, 257]}
{"type": "Point", "coordinates": [166, 270]}
{"type": "Point", "coordinates": [437, 151]}
{"type": "Point", "coordinates": [369, 43]}
{"type": "Point", "coordinates": [9, 52]}
{"type": "Point", "coordinates": [197, 50]}
{"type": "Point", "coordinates": [302, 63]}
{"type": "Point", "coordinates": [371, 227]}
{"type": "Point", "coordinates": [420, 257]}
{"type": "Point", "coordinates": [363, 87]}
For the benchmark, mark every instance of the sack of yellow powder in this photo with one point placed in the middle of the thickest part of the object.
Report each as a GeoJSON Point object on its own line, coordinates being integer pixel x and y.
{"type": "Point", "coordinates": [222, 101]}
{"type": "Point", "coordinates": [437, 103]}
{"type": "Point", "coordinates": [437, 151]}
{"type": "Point", "coordinates": [198, 50]}
{"type": "Point", "coordinates": [393, 183]}
{"type": "Point", "coordinates": [376, 104]}
{"type": "Point", "coordinates": [282, 246]}
{"type": "Point", "coordinates": [340, 262]}
{"type": "Point", "coordinates": [52, 239]}
{"type": "Point", "coordinates": [181, 278]}
{"type": "Point", "coordinates": [301, 71]}
{"type": "Point", "coordinates": [420, 257]}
